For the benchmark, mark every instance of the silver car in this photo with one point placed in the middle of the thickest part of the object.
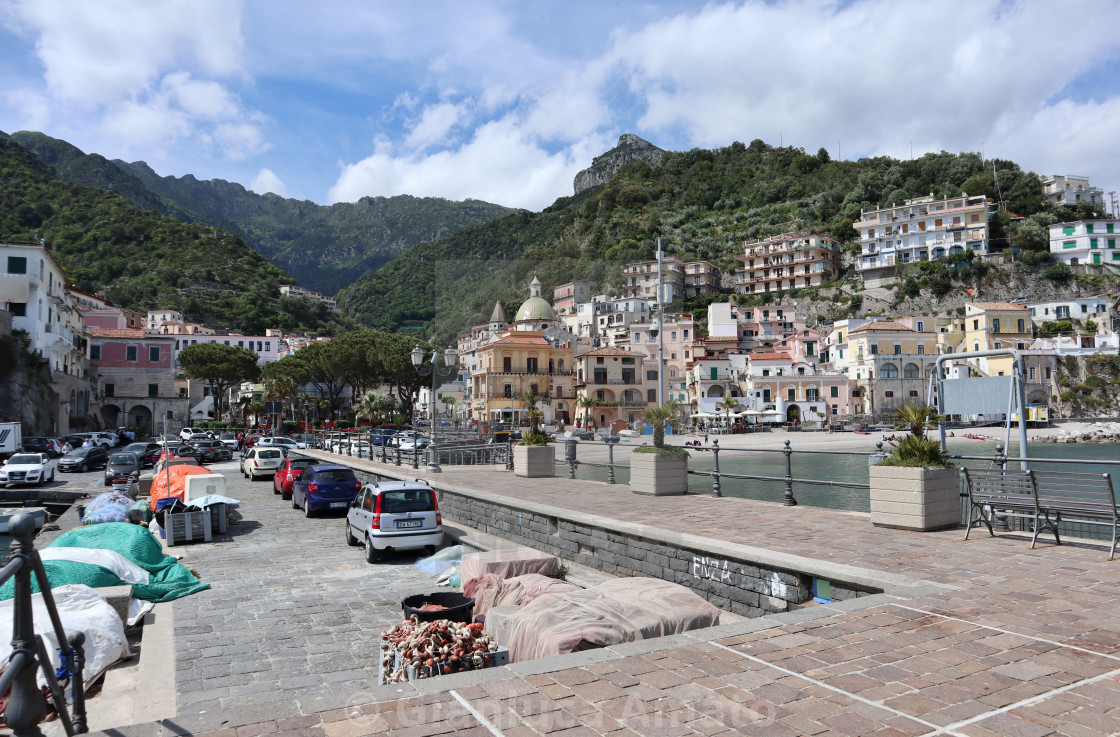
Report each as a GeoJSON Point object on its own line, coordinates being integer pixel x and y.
{"type": "Point", "coordinates": [394, 516]}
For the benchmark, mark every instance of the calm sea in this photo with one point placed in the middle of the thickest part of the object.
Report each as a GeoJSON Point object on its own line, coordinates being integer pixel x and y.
{"type": "Point", "coordinates": [851, 468]}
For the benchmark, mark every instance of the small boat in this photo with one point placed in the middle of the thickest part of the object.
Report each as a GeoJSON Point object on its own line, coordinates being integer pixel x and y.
{"type": "Point", "coordinates": [39, 514]}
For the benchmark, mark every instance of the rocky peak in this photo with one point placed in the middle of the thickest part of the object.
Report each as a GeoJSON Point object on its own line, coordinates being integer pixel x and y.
{"type": "Point", "coordinates": [629, 148]}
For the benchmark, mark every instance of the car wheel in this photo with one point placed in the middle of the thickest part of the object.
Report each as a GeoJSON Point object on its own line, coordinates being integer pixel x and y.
{"type": "Point", "coordinates": [252, 476]}
{"type": "Point", "coordinates": [82, 468]}
{"type": "Point", "coordinates": [52, 477]}
{"type": "Point", "coordinates": [274, 489]}
{"type": "Point", "coordinates": [294, 505]}
{"type": "Point", "coordinates": [307, 508]}
{"type": "Point", "coordinates": [372, 554]}
{"type": "Point", "coordinates": [350, 539]}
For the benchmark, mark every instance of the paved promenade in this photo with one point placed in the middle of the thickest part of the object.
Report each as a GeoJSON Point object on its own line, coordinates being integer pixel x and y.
{"type": "Point", "coordinates": [1010, 642]}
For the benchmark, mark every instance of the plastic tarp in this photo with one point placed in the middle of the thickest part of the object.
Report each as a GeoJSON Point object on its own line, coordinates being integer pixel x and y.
{"type": "Point", "coordinates": [441, 561]}
{"type": "Point", "coordinates": [615, 611]}
{"type": "Point", "coordinates": [168, 483]}
{"type": "Point", "coordinates": [81, 609]}
{"type": "Point", "coordinates": [506, 563]}
{"type": "Point", "coordinates": [490, 591]}
{"type": "Point", "coordinates": [121, 566]}
{"type": "Point", "coordinates": [169, 579]}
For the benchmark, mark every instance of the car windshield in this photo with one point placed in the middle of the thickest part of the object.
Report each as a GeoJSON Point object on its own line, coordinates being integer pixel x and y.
{"type": "Point", "coordinates": [410, 500]}
{"type": "Point", "coordinates": [228, 436]}
{"type": "Point", "coordinates": [136, 448]}
{"type": "Point", "coordinates": [121, 459]}
{"type": "Point", "coordinates": [78, 453]}
{"type": "Point", "coordinates": [269, 454]}
{"type": "Point", "coordinates": [301, 462]}
{"type": "Point", "coordinates": [335, 474]}
{"type": "Point", "coordinates": [24, 459]}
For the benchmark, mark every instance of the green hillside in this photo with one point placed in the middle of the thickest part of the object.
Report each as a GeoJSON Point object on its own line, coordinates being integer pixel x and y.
{"type": "Point", "coordinates": [705, 204]}
{"type": "Point", "coordinates": [141, 259]}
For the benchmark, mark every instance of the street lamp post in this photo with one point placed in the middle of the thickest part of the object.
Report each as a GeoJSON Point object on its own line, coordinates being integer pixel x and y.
{"type": "Point", "coordinates": [450, 360]}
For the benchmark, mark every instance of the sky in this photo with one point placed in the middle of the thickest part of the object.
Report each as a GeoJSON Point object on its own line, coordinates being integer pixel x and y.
{"type": "Point", "coordinates": [506, 101]}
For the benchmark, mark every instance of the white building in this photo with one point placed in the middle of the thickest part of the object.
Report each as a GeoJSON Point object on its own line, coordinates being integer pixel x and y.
{"type": "Point", "coordinates": [1071, 189]}
{"type": "Point", "coordinates": [1089, 308]}
{"type": "Point", "coordinates": [156, 318]}
{"type": "Point", "coordinates": [921, 229]}
{"type": "Point", "coordinates": [614, 317]}
{"type": "Point", "coordinates": [266, 347]}
{"type": "Point", "coordinates": [1091, 242]}
{"type": "Point", "coordinates": [294, 291]}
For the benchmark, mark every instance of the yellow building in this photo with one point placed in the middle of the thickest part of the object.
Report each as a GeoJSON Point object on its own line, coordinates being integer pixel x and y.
{"type": "Point", "coordinates": [612, 385]}
{"type": "Point", "coordinates": [518, 362]}
{"type": "Point", "coordinates": [989, 326]}
{"type": "Point", "coordinates": [891, 364]}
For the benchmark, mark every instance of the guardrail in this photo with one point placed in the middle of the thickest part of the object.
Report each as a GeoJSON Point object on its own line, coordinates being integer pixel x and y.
{"type": "Point", "coordinates": [25, 702]}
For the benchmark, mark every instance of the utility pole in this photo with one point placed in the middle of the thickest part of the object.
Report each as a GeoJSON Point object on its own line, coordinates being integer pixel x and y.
{"type": "Point", "coordinates": [1113, 212]}
{"type": "Point", "coordinates": [660, 335]}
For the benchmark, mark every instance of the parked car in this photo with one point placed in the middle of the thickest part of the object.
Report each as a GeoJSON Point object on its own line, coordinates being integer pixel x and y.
{"type": "Point", "coordinates": [278, 443]}
{"type": "Point", "coordinates": [75, 439]}
{"type": "Point", "coordinates": [190, 433]}
{"type": "Point", "coordinates": [122, 467]}
{"type": "Point", "coordinates": [356, 447]}
{"type": "Point", "coordinates": [211, 451]}
{"type": "Point", "coordinates": [84, 459]}
{"type": "Point", "coordinates": [229, 439]}
{"type": "Point", "coordinates": [27, 468]}
{"type": "Point", "coordinates": [394, 516]}
{"type": "Point", "coordinates": [50, 446]}
{"type": "Point", "coordinates": [418, 442]}
{"type": "Point", "coordinates": [148, 453]}
{"type": "Point", "coordinates": [105, 439]}
{"type": "Point", "coordinates": [286, 475]}
{"type": "Point", "coordinates": [380, 437]}
{"type": "Point", "coordinates": [322, 487]}
{"type": "Point", "coordinates": [261, 462]}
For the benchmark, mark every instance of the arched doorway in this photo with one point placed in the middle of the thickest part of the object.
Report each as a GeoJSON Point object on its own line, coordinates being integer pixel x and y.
{"type": "Point", "coordinates": [715, 391]}
{"type": "Point", "coordinates": [110, 413]}
{"type": "Point", "coordinates": [140, 417]}
{"type": "Point", "coordinates": [793, 413]}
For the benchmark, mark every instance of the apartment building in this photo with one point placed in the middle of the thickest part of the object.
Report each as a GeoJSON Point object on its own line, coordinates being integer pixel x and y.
{"type": "Point", "coordinates": [991, 326]}
{"type": "Point", "coordinates": [1088, 242]}
{"type": "Point", "coordinates": [1071, 189]}
{"type": "Point", "coordinates": [33, 292]}
{"type": "Point", "coordinates": [266, 347]}
{"type": "Point", "coordinates": [796, 389]}
{"type": "Point", "coordinates": [1088, 308]}
{"type": "Point", "coordinates": [709, 381]}
{"type": "Point", "coordinates": [613, 385]}
{"type": "Point", "coordinates": [676, 340]}
{"type": "Point", "coordinates": [566, 296]}
{"type": "Point", "coordinates": [294, 291]}
{"type": "Point", "coordinates": [787, 261]}
{"type": "Point", "coordinates": [613, 318]}
{"type": "Point", "coordinates": [921, 229]}
{"type": "Point", "coordinates": [890, 364]}
{"type": "Point", "coordinates": [679, 278]}
{"type": "Point", "coordinates": [135, 376]}
{"type": "Point", "coordinates": [517, 362]}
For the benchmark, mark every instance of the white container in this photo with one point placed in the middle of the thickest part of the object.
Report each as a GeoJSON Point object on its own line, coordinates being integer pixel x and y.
{"type": "Point", "coordinates": [199, 485]}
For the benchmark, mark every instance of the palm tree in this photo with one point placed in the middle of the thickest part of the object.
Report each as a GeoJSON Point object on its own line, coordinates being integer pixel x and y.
{"type": "Point", "coordinates": [366, 406]}
{"type": "Point", "coordinates": [449, 406]}
{"type": "Point", "coordinates": [586, 403]}
{"type": "Point", "coordinates": [530, 399]}
{"type": "Point", "coordinates": [727, 404]}
{"type": "Point", "coordinates": [918, 416]}
{"type": "Point", "coordinates": [659, 417]}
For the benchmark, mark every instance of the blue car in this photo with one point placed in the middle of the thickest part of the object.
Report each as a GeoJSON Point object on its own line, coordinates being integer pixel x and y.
{"type": "Point", "coordinates": [381, 437]}
{"type": "Point", "coordinates": [322, 487]}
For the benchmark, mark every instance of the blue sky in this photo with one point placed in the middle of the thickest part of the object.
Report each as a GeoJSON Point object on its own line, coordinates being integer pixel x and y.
{"type": "Point", "coordinates": [506, 101]}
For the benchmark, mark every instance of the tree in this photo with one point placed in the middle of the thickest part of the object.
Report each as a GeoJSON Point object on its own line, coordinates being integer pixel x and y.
{"type": "Point", "coordinates": [449, 405]}
{"type": "Point", "coordinates": [530, 400]}
{"type": "Point", "coordinates": [728, 404]}
{"type": "Point", "coordinates": [659, 418]}
{"type": "Point", "coordinates": [317, 366]}
{"type": "Point", "coordinates": [221, 366]}
{"type": "Point", "coordinates": [585, 403]}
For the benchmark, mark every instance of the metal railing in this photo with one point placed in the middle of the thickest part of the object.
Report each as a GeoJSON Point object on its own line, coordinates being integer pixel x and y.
{"type": "Point", "coordinates": [26, 704]}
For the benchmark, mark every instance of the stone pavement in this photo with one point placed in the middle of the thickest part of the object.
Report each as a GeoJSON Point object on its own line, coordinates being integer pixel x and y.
{"type": "Point", "coordinates": [1015, 642]}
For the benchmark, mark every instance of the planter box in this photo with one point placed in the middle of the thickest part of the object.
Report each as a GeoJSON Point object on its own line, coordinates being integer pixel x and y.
{"type": "Point", "coordinates": [915, 498]}
{"type": "Point", "coordinates": [658, 475]}
{"type": "Point", "coordinates": [534, 461]}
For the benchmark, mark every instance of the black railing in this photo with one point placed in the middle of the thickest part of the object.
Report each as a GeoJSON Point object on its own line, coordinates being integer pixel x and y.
{"type": "Point", "coordinates": [26, 704]}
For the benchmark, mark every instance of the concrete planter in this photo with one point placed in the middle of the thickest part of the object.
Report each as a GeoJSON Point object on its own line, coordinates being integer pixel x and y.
{"type": "Point", "coordinates": [534, 461]}
{"type": "Point", "coordinates": [915, 498]}
{"type": "Point", "coordinates": [658, 475]}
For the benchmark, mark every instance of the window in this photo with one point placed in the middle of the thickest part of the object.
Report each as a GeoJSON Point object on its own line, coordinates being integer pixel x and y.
{"type": "Point", "coordinates": [911, 371]}
{"type": "Point", "coordinates": [17, 264]}
{"type": "Point", "coordinates": [153, 390]}
{"type": "Point", "coordinates": [240, 344]}
{"type": "Point", "coordinates": [1068, 230]}
{"type": "Point", "coordinates": [921, 349]}
{"type": "Point", "coordinates": [18, 309]}
{"type": "Point", "coordinates": [975, 324]}
{"type": "Point", "coordinates": [628, 360]}
{"type": "Point", "coordinates": [913, 393]}
{"type": "Point", "coordinates": [95, 353]}
{"type": "Point", "coordinates": [834, 391]}
{"type": "Point", "coordinates": [888, 395]}
{"type": "Point", "coordinates": [1092, 243]}
{"type": "Point", "coordinates": [921, 326]}
{"type": "Point", "coordinates": [765, 372]}
{"type": "Point", "coordinates": [1108, 228]}
{"type": "Point", "coordinates": [874, 349]}
{"type": "Point", "coordinates": [153, 353]}
{"type": "Point", "coordinates": [1031, 373]}
{"type": "Point", "coordinates": [1069, 244]}
{"type": "Point", "coordinates": [601, 395]}
{"type": "Point", "coordinates": [1021, 326]}
{"type": "Point", "coordinates": [651, 376]}
{"type": "Point", "coordinates": [791, 394]}
{"type": "Point", "coordinates": [685, 334]}
{"type": "Point", "coordinates": [1089, 228]}
{"type": "Point", "coordinates": [1048, 374]}
{"type": "Point", "coordinates": [1112, 243]}
{"type": "Point", "coordinates": [508, 390]}
{"type": "Point", "coordinates": [835, 409]}
{"type": "Point", "coordinates": [888, 371]}
{"type": "Point", "coordinates": [995, 325]}
{"type": "Point", "coordinates": [897, 349]}
{"type": "Point", "coordinates": [130, 352]}
{"type": "Point", "coordinates": [110, 390]}
{"type": "Point", "coordinates": [651, 395]}
{"type": "Point", "coordinates": [811, 395]}
{"type": "Point", "coordinates": [533, 388]}
{"type": "Point", "coordinates": [531, 365]}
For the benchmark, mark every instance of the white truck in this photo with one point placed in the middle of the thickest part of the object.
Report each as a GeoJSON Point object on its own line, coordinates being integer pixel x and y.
{"type": "Point", "coordinates": [11, 438]}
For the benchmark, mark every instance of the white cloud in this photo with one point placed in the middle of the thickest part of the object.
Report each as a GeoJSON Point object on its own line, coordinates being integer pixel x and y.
{"type": "Point", "coordinates": [267, 181]}
{"type": "Point", "coordinates": [435, 124]}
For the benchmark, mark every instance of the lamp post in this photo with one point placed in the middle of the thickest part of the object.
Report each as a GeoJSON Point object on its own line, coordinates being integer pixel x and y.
{"type": "Point", "coordinates": [450, 360]}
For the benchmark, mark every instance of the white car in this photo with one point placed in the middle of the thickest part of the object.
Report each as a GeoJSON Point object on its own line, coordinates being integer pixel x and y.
{"type": "Point", "coordinates": [261, 462]}
{"type": "Point", "coordinates": [355, 447]}
{"type": "Point", "coordinates": [394, 516]}
{"type": "Point", "coordinates": [27, 468]}
{"type": "Point", "coordinates": [418, 442]}
{"type": "Point", "coordinates": [105, 439]}
{"type": "Point", "coordinates": [278, 443]}
{"type": "Point", "coordinates": [190, 433]}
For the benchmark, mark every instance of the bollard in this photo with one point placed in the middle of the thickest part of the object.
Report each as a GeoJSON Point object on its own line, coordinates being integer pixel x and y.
{"type": "Point", "coordinates": [789, 500]}
{"type": "Point", "coordinates": [878, 456]}
{"type": "Point", "coordinates": [349, 446]}
{"type": "Point", "coordinates": [77, 688]}
{"type": "Point", "coordinates": [509, 452]}
{"type": "Point", "coordinates": [715, 472]}
{"type": "Point", "coordinates": [1001, 462]}
{"type": "Point", "coordinates": [570, 456]}
{"type": "Point", "coordinates": [398, 454]}
{"type": "Point", "coordinates": [610, 462]}
{"type": "Point", "coordinates": [416, 457]}
{"type": "Point", "coordinates": [26, 705]}
{"type": "Point", "coordinates": [383, 448]}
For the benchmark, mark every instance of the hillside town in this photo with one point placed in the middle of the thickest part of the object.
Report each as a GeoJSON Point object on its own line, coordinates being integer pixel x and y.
{"type": "Point", "coordinates": [599, 359]}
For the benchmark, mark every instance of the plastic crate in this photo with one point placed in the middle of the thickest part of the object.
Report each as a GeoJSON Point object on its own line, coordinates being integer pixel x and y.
{"type": "Point", "coordinates": [187, 527]}
{"type": "Point", "coordinates": [218, 515]}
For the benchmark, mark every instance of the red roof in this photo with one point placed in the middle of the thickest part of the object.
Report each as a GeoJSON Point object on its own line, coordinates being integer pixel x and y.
{"type": "Point", "coordinates": [116, 333]}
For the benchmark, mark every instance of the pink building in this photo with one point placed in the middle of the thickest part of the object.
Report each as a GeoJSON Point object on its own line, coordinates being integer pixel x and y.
{"type": "Point", "coordinates": [134, 374]}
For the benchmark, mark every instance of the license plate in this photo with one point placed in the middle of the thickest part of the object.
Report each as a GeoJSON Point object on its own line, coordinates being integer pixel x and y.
{"type": "Point", "coordinates": [337, 505]}
{"type": "Point", "coordinates": [401, 525]}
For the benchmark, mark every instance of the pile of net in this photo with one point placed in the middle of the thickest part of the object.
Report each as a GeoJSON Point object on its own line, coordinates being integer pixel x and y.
{"type": "Point", "coordinates": [490, 590]}
{"type": "Point", "coordinates": [167, 579]}
{"type": "Point", "coordinates": [507, 563]}
{"type": "Point", "coordinates": [615, 611]}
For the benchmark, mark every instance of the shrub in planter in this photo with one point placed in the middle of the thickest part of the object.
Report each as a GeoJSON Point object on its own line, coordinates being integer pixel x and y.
{"type": "Point", "coordinates": [659, 470]}
{"type": "Point", "coordinates": [916, 487]}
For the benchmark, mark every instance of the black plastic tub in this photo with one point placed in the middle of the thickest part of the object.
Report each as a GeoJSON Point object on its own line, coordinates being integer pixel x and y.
{"type": "Point", "coordinates": [459, 607]}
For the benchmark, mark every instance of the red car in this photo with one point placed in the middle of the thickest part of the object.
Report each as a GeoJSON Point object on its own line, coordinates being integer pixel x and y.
{"type": "Point", "coordinates": [289, 469]}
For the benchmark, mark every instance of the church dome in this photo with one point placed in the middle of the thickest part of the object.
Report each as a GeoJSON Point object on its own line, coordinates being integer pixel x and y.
{"type": "Point", "coordinates": [535, 308]}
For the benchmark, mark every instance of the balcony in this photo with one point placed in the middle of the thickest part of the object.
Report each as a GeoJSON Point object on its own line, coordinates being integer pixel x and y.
{"type": "Point", "coordinates": [541, 372]}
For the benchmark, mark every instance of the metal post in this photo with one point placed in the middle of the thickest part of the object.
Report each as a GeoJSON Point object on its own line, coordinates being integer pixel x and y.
{"type": "Point", "coordinates": [789, 500]}
{"type": "Point", "coordinates": [383, 439]}
{"type": "Point", "coordinates": [715, 473]}
{"type": "Point", "coordinates": [509, 452]}
{"type": "Point", "coordinates": [610, 462]}
{"type": "Point", "coordinates": [26, 705]}
{"type": "Point", "coordinates": [570, 456]}
{"type": "Point", "coordinates": [349, 446]}
{"type": "Point", "coordinates": [660, 335]}
{"type": "Point", "coordinates": [415, 456]}
{"type": "Point", "coordinates": [1001, 463]}
{"type": "Point", "coordinates": [77, 685]}
{"type": "Point", "coordinates": [398, 454]}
